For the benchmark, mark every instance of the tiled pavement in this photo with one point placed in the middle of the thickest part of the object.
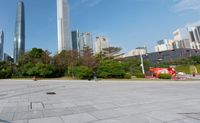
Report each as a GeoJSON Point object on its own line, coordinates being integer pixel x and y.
{"type": "Point", "coordinates": [24, 101]}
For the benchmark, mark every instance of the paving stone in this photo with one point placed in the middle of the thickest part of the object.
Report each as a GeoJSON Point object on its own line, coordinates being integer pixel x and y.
{"type": "Point", "coordinates": [110, 121]}
{"type": "Point", "coordinates": [28, 115]}
{"type": "Point", "coordinates": [165, 116]}
{"type": "Point", "coordinates": [189, 120]}
{"type": "Point", "coordinates": [6, 116]}
{"type": "Point", "coordinates": [139, 119]}
{"type": "Point", "coordinates": [78, 118]}
{"type": "Point", "coordinates": [106, 114]}
{"type": "Point", "coordinates": [47, 120]}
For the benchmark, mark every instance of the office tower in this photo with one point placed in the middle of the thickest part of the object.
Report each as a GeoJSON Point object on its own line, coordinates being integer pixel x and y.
{"type": "Point", "coordinates": [101, 42]}
{"type": "Point", "coordinates": [195, 37]}
{"type": "Point", "coordinates": [75, 40]}
{"type": "Point", "coordinates": [1, 45]}
{"type": "Point", "coordinates": [161, 45]}
{"type": "Point", "coordinates": [19, 39]}
{"type": "Point", "coordinates": [86, 41]}
{"type": "Point", "coordinates": [64, 34]}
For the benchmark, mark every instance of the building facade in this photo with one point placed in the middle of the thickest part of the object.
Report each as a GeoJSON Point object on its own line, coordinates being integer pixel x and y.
{"type": "Point", "coordinates": [19, 38]}
{"type": "Point", "coordinates": [169, 55]}
{"type": "Point", "coordinates": [1, 45]}
{"type": "Point", "coordinates": [63, 25]}
{"type": "Point", "coordinates": [101, 42]}
{"type": "Point", "coordinates": [86, 41]}
{"type": "Point", "coordinates": [195, 37]}
{"type": "Point", "coordinates": [137, 51]}
{"type": "Point", "coordinates": [75, 40]}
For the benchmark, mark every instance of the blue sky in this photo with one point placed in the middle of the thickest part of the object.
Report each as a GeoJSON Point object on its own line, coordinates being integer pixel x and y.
{"type": "Point", "coordinates": [127, 23]}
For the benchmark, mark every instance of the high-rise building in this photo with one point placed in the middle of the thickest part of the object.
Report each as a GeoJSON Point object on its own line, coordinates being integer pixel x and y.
{"type": "Point", "coordinates": [86, 41]}
{"type": "Point", "coordinates": [64, 34]}
{"type": "Point", "coordinates": [19, 39]}
{"type": "Point", "coordinates": [101, 42]}
{"type": "Point", "coordinates": [195, 37]}
{"type": "Point", "coordinates": [161, 45]}
{"type": "Point", "coordinates": [75, 40]}
{"type": "Point", "coordinates": [1, 45]}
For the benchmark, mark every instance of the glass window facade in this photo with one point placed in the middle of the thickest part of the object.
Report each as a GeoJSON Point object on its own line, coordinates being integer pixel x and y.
{"type": "Point", "coordinates": [19, 39]}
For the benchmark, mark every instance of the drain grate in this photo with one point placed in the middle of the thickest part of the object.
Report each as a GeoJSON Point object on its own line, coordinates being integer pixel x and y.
{"type": "Point", "coordinates": [51, 93]}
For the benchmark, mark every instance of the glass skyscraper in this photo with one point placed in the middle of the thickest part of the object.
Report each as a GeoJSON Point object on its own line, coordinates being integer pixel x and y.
{"type": "Point", "coordinates": [64, 33]}
{"type": "Point", "coordinates": [1, 45]}
{"type": "Point", "coordinates": [19, 39]}
{"type": "Point", "coordinates": [75, 40]}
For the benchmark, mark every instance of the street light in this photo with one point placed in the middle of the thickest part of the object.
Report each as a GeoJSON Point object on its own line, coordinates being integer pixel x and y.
{"type": "Point", "coordinates": [142, 63]}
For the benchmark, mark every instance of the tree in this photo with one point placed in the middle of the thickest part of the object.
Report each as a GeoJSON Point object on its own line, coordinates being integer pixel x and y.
{"type": "Point", "coordinates": [5, 70]}
{"type": "Point", "coordinates": [111, 52]}
{"type": "Point", "coordinates": [88, 59]}
{"type": "Point", "coordinates": [66, 60]}
{"type": "Point", "coordinates": [110, 69]}
{"type": "Point", "coordinates": [83, 72]}
{"type": "Point", "coordinates": [35, 56]}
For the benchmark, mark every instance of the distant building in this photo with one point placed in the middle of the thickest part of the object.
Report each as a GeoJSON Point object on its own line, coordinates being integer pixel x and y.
{"type": "Point", "coordinates": [137, 51]}
{"type": "Point", "coordinates": [86, 41]}
{"type": "Point", "coordinates": [75, 40]}
{"type": "Point", "coordinates": [1, 45]}
{"type": "Point", "coordinates": [64, 34]}
{"type": "Point", "coordinates": [162, 45]}
{"type": "Point", "coordinates": [169, 55]}
{"type": "Point", "coordinates": [194, 34]}
{"type": "Point", "coordinates": [19, 39]}
{"type": "Point", "coordinates": [101, 42]}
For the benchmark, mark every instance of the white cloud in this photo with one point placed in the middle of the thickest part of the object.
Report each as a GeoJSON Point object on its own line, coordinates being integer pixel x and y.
{"type": "Point", "coordinates": [183, 5]}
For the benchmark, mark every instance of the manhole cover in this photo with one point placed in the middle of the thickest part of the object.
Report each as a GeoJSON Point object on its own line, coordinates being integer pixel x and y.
{"type": "Point", "coordinates": [51, 93]}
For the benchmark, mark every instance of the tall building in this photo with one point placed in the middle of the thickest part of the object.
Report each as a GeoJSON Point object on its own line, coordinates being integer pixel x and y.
{"type": "Point", "coordinates": [19, 39]}
{"type": "Point", "coordinates": [75, 40]}
{"type": "Point", "coordinates": [64, 34]}
{"type": "Point", "coordinates": [101, 42]}
{"type": "Point", "coordinates": [195, 37]}
{"type": "Point", "coordinates": [1, 45]}
{"type": "Point", "coordinates": [86, 41]}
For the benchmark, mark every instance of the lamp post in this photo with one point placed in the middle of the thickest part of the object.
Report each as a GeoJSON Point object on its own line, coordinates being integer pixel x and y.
{"type": "Point", "coordinates": [142, 63]}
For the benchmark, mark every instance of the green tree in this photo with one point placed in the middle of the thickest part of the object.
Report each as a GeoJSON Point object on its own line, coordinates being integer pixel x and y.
{"type": "Point", "coordinates": [5, 70]}
{"type": "Point", "coordinates": [110, 69]}
{"type": "Point", "coordinates": [83, 72]}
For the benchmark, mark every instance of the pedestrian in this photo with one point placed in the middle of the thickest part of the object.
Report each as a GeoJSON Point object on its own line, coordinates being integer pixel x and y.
{"type": "Point", "coordinates": [95, 77]}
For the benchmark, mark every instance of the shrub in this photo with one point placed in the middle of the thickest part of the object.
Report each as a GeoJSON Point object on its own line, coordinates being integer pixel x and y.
{"type": "Point", "coordinates": [5, 70]}
{"type": "Point", "coordinates": [164, 76]}
{"type": "Point", "coordinates": [183, 68]}
{"type": "Point", "coordinates": [127, 76]}
{"type": "Point", "coordinates": [140, 75]}
{"type": "Point", "coordinates": [110, 69]}
{"type": "Point", "coordinates": [83, 72]}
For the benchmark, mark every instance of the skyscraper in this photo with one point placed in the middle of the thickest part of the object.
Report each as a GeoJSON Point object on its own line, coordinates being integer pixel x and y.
{"type": "Point", "coordinates": [64, 34]}
{"type": "Point", "coordinates": [19, 39]}
{"type": "Point", "coordinates": [101, 42]}
{"type": "Point", "coordinates": [1, 45]}
{"type": "Point", "coordinates": [86, 41]}
{"type": "Point", "coordinates": [75, 40]}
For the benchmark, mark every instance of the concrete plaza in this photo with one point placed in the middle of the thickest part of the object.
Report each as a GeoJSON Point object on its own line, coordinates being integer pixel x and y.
{"type": "Point", "coordinates": [26, 101]}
